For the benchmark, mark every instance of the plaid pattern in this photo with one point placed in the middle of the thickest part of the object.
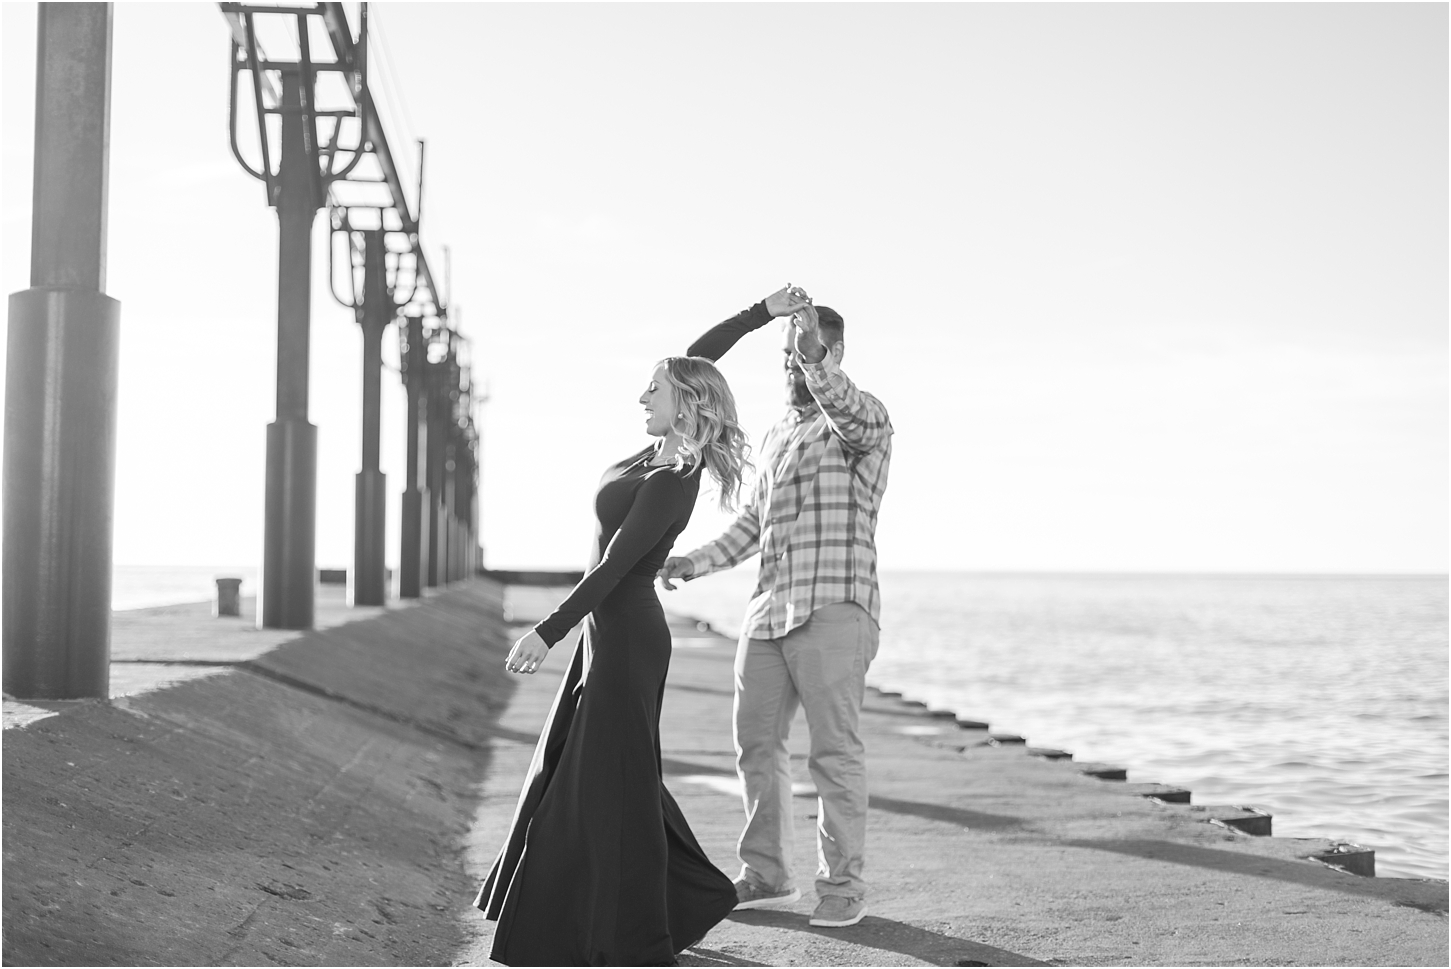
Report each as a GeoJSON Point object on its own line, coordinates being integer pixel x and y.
{"type": "Point", "coordinates": [812, 515]}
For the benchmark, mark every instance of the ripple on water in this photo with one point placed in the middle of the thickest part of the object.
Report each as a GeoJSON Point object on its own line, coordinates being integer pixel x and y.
{"type": "Point", "coordinates": [1215, 693]}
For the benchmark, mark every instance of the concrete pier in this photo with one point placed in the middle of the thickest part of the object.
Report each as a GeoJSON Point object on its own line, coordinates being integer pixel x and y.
{"type": "Point", "coordinates": [331, 798]}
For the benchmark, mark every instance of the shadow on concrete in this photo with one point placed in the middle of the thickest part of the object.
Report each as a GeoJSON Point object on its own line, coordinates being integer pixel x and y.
{"type": "Point", "coordinates": [1429, 896]}
{"type": "Point", "coordinates": [670, 765]}
{"type": "Point", "coordinates": [700, 956]}
{"type": "Point", "coordinates": [491, 730]}
{"type": "Point", "coordinates": [686, 687]}
{"type": "Point", "coordinates": [871, 932]}
{"type": "Point", "coordinates": [920, 714]}
{"type": "Point", "coordinates": [977, 820]}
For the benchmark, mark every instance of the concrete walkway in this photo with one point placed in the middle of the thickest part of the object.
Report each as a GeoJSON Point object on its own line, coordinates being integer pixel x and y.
{"type": "Point", "coordinates": [983, 854]}
{"type": "Point", "coordinates": [334, 799]}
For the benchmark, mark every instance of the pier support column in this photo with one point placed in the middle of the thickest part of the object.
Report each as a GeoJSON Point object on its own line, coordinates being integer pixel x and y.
{"type": "Point", "coordinates": [448, 573]}
{"type": "Point", "coordinates": [465, 475]}
{"type": "Point", "coordinates": [413, 549]}
{"type": "Point", "coordinates": [368, 578]}
{"type": "Point", "coordinates": [291, 510]}
{"type": "Point", "coordinates": [61, 370]}
{"type": "Point", "coordinates": [439, 414]}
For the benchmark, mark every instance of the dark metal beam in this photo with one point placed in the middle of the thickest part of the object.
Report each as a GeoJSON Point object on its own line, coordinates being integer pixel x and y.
{"type": "Point", "coordinates": [413, 551]}
{"type": "Point", "coordinates": [288, 9]}
{"type": "Point", "coordinates": [439, 417]}
{"type": "Point", "coordinates": [72, 140]}
{"type": "Point", "coordinates": [369, 577]}
{"type": "Point", "coordinates": [291, 504]}
{"type": "Point", "coordinates": [337, 26]}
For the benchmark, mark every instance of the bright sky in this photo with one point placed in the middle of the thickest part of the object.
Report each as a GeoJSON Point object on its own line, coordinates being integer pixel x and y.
{"type": "Point", "coordinates": [1143, 286]}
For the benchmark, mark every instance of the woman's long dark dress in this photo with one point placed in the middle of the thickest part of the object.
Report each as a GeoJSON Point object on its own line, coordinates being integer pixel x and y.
{"type": "Point", "coordinates": [600, 867]}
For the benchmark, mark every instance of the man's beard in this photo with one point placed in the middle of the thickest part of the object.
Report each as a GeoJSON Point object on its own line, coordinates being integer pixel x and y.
{"type": "Point", "coordinates": [797, 394]}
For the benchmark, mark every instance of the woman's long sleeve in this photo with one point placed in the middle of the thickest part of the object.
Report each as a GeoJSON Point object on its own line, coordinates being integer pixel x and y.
{"type": "Point", "coordinates": [659, 503]}
{"type": "Point", "coordinates": [714, 343]}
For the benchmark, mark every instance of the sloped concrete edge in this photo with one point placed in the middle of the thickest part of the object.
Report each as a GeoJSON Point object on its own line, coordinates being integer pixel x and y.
{"type": "Point", "coordinates": [305, 808]}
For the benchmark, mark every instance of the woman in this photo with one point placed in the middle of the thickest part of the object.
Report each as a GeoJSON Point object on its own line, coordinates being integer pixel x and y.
{"type": "Point", "coordinates": [600, 867]}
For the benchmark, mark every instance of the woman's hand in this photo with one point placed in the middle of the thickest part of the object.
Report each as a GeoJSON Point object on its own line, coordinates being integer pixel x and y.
{"type": "Point", "coordinates": [781, 302]}
{"type": "Point", "coordinates": [786, 300]}
{"type": "Point", "coordinates": [527, 655]}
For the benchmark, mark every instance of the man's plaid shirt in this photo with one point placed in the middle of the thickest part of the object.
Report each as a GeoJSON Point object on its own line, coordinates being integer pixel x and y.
{"type": "Point", "coordinates": [812, 515]}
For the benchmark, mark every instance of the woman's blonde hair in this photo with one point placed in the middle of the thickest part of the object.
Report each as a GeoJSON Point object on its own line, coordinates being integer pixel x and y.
{"type": "Point", "coordinates": [709, 432]}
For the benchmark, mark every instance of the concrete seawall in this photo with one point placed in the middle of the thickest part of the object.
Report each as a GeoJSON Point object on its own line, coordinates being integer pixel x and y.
{"type": "Point", "coordinates": [306, 807]}
{"type": "Point", "coordinates": [334, 800]}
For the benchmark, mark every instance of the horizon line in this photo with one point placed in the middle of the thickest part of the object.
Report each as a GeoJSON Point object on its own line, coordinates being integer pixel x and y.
{"type": "Point", "coordinates": [1105, 572]}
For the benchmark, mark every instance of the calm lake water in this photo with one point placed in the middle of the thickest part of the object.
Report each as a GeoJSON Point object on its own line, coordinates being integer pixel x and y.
{"type": "Point", "coordinates": [1322, 699]}
{"type": "Point", "coordinates": [139, 586]}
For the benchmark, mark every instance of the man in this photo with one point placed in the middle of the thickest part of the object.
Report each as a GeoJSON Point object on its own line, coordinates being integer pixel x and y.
{"type": "Point", "coordinates": [811, 629]}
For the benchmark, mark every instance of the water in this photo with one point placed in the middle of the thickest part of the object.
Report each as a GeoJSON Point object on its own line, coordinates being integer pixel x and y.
{"type": "Point", "coordinates": [138, 586]}
{"type": "Point", "coordinates": [1322, 699]}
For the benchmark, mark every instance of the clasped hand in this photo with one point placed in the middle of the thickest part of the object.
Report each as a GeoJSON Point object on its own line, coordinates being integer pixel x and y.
{"type": "Point", "coordinates": [792, 301]}
{"type": "Point", "coordinates": [676, 567]}
{"type": "Point", "coordinates": [528, 654]}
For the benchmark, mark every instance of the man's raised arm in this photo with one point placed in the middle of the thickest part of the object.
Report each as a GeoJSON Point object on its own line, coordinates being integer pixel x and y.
{"type": "Point", "coordinates": [856, 417]}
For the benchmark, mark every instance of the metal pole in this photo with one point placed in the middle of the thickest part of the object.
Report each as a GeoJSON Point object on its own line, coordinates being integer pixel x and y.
{"type": "Point", "coordinates": [413, 549]}
{"type": "Point", "coordinates": [450, 499]}
{"type": "Point", "coordinates": [437, 418]}
{"type": "Point", "coordinates": [288, 546]}
{"type": "Point", "coordinates": [465, 491]}
{"type": "Point", "coordinates": [449, 464]}
{"type": "Point", "coordinates": [462, 503]}
{"type": "Point", "coordinates": [476, 527]}
{"type": "Point", "coordinates": [369, 584]}
{"type": "Point", "coordinates": [453, 467]}
{"type": "Point", "coordinates": [60, 397]}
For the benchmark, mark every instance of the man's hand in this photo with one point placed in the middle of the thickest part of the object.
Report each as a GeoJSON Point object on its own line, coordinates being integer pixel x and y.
{"type": "Point", "coordinates": [808, 334]}
{"type": "Point", "coordinates": [528, 653]}
{"type": "Point", "coordinates": [676, 567]}
{"type": "Point", "coordinates": [786, 300]}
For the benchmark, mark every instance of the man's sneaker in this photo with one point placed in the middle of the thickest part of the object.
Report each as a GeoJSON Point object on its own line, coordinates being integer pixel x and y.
{"type": "Point", "coordinates": [749, 896]}
{"type": "Point", "coordinates": [834, 911]}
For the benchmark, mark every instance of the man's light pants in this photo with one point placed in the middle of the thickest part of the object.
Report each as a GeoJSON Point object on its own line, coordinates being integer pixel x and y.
{"type": "Point", "coordinates": [821, 666]}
